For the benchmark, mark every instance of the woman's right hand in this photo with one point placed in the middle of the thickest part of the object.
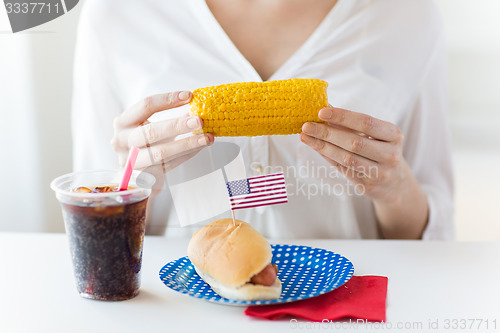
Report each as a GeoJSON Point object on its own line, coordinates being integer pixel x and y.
{"type": "Point", "coordinates": [156, 140]}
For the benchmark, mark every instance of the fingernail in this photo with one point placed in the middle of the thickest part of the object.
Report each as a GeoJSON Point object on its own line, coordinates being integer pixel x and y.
{"type": "Point", "coordinates": [193, 123]}
{"type": "Point", "coordinates": [211, 138]}
{"type": "Point", "coordinates": [325, 113]}
{"type": "Point", "coordinates": [308, 128]}
{"type": "Point", "coordinates": [184, 95]}
{"type": "Point", "coordinates": [202, 141]}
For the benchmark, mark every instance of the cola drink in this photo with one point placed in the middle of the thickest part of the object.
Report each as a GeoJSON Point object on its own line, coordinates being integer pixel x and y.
{"type": "Point", "coordinates": [105, 229]}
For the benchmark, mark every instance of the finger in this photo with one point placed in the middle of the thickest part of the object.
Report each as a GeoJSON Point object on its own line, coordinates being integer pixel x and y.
{"type": "Point", "coordinates": [339, 155]}
{"type": "Point", "coordinates": [360, 122]}
{"type": "Point", "coordinates": [342, 169]}
{"type": "Point", "coordinates": [374, 150]}
{"type": "Point", "coordinates": [119, 142]}
{"type": "Point", "coordinates": [158, 131]}
{"type": "Point", "coordinates": [355, 177]}
{"type": "Point", "coordinates": [141, 111]}
{"type": "Point", "coordinates": [165, 152]}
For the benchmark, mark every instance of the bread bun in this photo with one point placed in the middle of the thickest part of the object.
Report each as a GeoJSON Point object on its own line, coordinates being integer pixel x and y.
{"type": "Point", "coordinates": [226, 256]}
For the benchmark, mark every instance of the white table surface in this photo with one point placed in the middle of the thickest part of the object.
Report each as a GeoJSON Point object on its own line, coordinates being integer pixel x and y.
{"type": "Point", "coordinates": [430, 283]}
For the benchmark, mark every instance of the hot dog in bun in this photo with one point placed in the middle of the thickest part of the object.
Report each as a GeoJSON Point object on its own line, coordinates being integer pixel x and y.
{"type": "Point", "coordinates": [235, 260]}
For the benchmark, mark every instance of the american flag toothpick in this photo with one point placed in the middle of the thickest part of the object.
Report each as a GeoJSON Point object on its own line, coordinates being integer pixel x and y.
{"type": "Point", "coordinates": [234, 219]}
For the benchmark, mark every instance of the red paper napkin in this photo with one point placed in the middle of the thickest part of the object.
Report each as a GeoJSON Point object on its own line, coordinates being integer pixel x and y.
{"type": "Point", "coordinates": [362, 297]}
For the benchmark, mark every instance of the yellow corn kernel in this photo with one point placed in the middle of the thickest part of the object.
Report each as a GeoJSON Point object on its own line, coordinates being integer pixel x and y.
{"type": "Point", "coordinates": [259, 108]}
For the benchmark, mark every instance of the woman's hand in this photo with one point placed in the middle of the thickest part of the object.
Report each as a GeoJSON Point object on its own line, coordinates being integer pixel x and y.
{"type": "Point", "coordinates": [159, 152]}
{"type": "Point", "coordinates": [368, 152]}
{"type": "Point", "coordinates": [156, 140]}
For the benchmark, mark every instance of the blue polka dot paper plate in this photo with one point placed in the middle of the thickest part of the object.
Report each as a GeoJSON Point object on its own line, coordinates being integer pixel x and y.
{"type": "Point", "coordinates": [304, 271]}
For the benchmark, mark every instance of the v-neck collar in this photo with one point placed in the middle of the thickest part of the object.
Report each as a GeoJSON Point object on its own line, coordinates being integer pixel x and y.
{"type": "Point", "coordinates": [296, 60]}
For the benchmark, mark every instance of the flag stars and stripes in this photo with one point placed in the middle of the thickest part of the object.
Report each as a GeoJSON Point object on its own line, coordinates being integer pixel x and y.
{"type": "Point", "coordinates": [238, 187]}
{"type": "Point", "coordinates": [257, 191]}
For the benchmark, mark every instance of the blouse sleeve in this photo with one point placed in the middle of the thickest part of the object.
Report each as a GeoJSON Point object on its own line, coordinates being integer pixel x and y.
{"type": "Point", "coordinates": [95, 103]}
{"type": "Point", "coordinates": [427, 145]}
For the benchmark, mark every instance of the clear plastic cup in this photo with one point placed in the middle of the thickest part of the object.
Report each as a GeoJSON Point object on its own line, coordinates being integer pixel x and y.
{"type": "Point", "coordinates": [105, 231]}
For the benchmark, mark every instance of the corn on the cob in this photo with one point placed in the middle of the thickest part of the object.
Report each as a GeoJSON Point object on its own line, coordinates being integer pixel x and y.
{"type": "Point", "coordinates": [259, 108]}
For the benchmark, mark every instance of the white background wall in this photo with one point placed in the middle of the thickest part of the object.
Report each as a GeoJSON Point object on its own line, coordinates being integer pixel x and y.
{"type": "Point", "coordinates": [35, 101]}
{"type": "Point", "coordinates": [473, 33]}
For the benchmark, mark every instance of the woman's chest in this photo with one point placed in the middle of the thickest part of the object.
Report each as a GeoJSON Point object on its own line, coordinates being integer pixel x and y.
{"type": "Point", "coordinates": [268, 33]}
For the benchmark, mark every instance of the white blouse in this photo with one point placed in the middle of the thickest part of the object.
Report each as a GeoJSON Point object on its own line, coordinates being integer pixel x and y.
{"type": "Point", "coordinates": [385, 58]}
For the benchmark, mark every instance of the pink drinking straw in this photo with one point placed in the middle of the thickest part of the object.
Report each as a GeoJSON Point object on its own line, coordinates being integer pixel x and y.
{"type": "Point", "coordinates": [129, 167]}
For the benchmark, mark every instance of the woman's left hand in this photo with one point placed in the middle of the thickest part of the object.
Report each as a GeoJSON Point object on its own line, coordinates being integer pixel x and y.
{"type": "Point", "coordinates": [368, 151]}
